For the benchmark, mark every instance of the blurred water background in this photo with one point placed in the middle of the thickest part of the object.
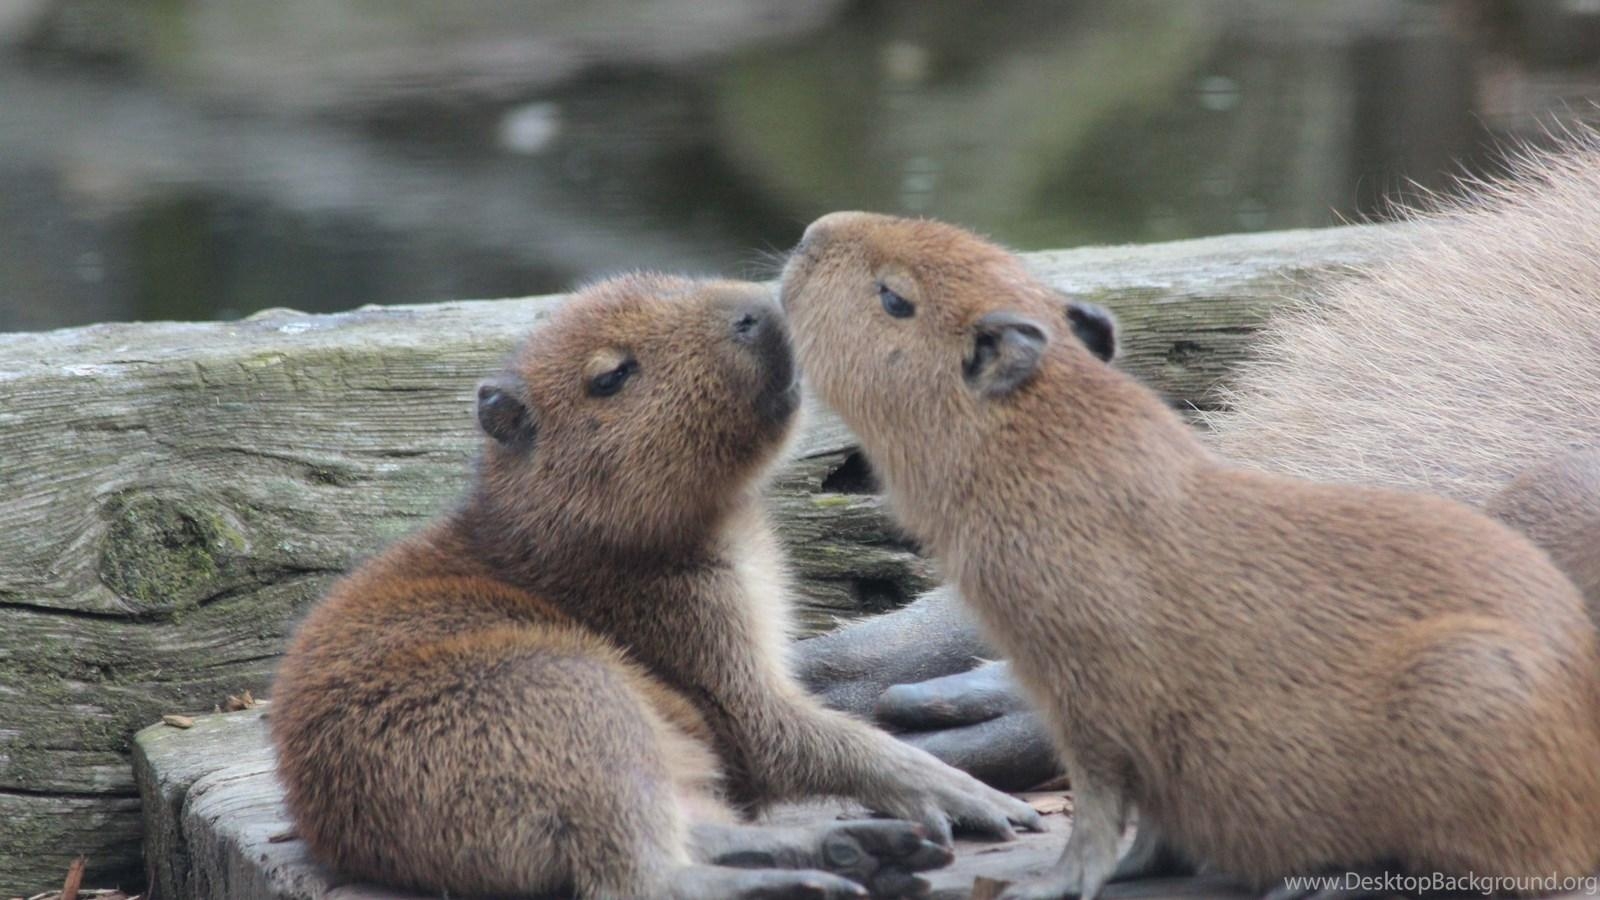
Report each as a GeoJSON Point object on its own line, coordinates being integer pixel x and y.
{"type": "Point", "coordinates": [203, 159]}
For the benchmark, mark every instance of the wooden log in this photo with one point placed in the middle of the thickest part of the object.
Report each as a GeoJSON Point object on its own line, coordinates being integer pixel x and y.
{"type": "Point", "coordinates": [216, 828]}
{"type": "Point", "coordinates": [175, 495]}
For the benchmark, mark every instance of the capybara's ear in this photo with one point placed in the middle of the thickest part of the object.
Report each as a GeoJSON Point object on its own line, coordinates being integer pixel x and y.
{"type": "Point", "coordinates": [1007, 348]}
{"type": "Point", "coordinates": [503, 415]}
{"type": "Point", "coordinates": [1095, 326]}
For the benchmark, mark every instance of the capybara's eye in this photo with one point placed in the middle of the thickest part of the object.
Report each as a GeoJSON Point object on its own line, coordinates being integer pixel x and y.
{"type": "Point", "coordinates": [607, 383]}
{"type": "Point", "coordinates": [894, 304]}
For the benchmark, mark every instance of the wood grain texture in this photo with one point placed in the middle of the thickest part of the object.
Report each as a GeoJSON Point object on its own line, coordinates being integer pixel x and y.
{"type": "Point", "coordinates": [173, 496]}
{"type": "Point", "coordinates": [216, 825]}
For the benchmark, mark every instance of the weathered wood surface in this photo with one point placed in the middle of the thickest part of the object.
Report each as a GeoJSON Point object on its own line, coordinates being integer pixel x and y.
{"type": "Point", "coordinates": [216, 828]}
{"type": "Point", "coordinates": [172, 496]}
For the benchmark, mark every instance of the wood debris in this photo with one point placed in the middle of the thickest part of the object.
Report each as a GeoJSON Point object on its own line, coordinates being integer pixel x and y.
{"type": "Point", "coordinates": [1049, 804]}
{"type": "Point", "coordinates": [69, 888]}
{"type": "Point", "coordinates": [177, 721]}
{"type": "Point", "coordinates": [988, 888]}
{"type": "Point", "coordinates": [72, 888]}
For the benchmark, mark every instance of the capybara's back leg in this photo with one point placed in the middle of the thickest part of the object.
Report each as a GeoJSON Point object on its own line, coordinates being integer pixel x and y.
{"type": "Point", "coordinates": [513, 761]}
{"type": "Point", "coordinates": [1494, 727]}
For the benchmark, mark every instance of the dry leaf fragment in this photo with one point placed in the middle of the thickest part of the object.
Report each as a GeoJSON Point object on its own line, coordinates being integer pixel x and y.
{"type": "Point", "coordinates": [1049, 804]}
{"type": "Point", "coordinates": [177, 721]}
{"type": "Point", "coordinates": [988, 888]}
{"type": "Point", "coordinates": [242, 701]}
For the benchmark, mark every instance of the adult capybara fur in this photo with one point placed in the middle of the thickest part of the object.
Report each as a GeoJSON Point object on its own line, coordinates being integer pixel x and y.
{"type": "Point", "coordinates": [1468, 359]}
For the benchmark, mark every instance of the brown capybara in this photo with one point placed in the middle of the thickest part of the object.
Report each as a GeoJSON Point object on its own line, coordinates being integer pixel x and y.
{"type": "Point", "coordinates": [576, 682]}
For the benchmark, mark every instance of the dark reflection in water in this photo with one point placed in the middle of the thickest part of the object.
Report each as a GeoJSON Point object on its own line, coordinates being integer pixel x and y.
{"type": "Point", "coordinates": [207, 159]}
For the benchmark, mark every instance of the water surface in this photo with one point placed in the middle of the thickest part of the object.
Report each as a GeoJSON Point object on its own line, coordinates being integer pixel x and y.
{"type": "Point", "coordinates": [206, 159]}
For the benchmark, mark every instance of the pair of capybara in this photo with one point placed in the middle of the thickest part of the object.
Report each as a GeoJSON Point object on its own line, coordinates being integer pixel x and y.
{"type": "Point", "coordinates": [579, 681]}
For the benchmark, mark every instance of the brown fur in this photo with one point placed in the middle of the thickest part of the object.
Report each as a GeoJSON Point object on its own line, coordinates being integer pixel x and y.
{"type": "Point", "coordinates": [1282, 676]}
{"type": "Point", "coordinates": [1467, 359]}
{"type": "Point", "coordinates": [551, 687]}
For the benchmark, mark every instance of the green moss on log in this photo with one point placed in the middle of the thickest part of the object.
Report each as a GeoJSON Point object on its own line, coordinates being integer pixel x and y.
{"type": "Point", "coordinates": [161, 554]}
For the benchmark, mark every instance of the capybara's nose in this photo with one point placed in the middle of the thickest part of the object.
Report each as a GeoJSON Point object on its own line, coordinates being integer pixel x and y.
{"type": "Point", "coordinates": [751, 321]}
{"type": "Point", "coordinates": [819, 232]}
